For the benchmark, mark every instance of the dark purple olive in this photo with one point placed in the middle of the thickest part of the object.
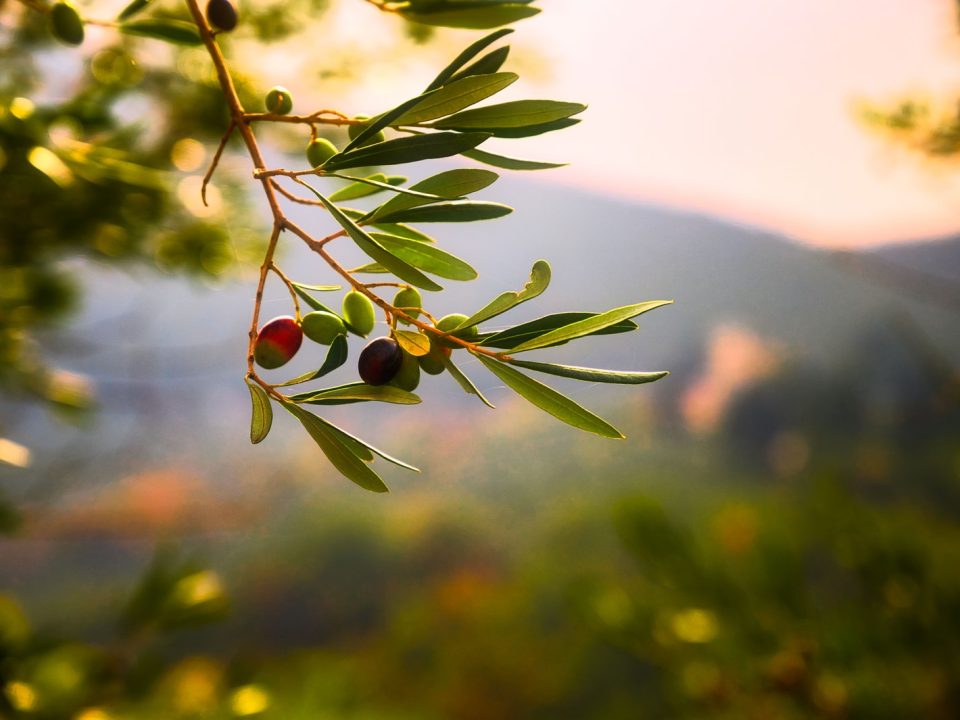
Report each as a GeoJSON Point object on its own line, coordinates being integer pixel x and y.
{"type": "Point", "coordinates": [380, 361]}
{"type": "Point", "coordinates": [222, 14]}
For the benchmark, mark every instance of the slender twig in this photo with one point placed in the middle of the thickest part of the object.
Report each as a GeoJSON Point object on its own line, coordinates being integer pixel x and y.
{"type": "Point", "coordinates": [295, 198]}
{"type": "Point", "coordinates": [290, 288]}
{"type": "Point", "coordinates": [216, 161]}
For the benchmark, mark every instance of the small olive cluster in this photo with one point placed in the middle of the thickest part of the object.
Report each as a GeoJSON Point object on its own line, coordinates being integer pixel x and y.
{"type": "Point", "coordinates": [383, 361]}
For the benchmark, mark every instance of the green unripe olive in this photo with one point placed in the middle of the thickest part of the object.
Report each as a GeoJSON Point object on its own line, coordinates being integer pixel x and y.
{"type": "Point", "coordinates": [278, 101]}
{"type": "Point", "coordinates": [222, 14]}
{"type": "Point", "coordinates": [449, 322]}
{"type": "Point", "coordinates": [277, 342]}
{"type": "Point", "coordinates": [432, 362]}
{"type": "Point", "coordinates": [359, 312]}
{"type": "Point", "coordinates": [408, 298]}
{"type": "Point", "coordinates": [380, 361]}
{"type": "Point", "coordinates": [322, 327]}
{"type": "Point", "coordinates": [354, 130]}
{"type": "Point", "coordinates": [65, 23]}
{"type": "Point", "coordinates": [408, 376]}
{"type": "Point", "coordinates": [319, 151]}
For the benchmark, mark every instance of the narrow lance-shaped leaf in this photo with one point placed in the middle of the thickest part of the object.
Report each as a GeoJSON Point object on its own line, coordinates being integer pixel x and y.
{"type": "Point", "coordinates": [539, 280]}
{"type": "Point", "coordinates": [371, 247]}
{"type": "Point", "coordinates": [363, 189]}
{"type": "Point", "coordinates": [513, 336]}
{"type": "Point", "coordinates": [427, 257]}
{"type": "Point", "coordinates": [447, 185]}
{"type": "Point", "coordinates": [549, 400]}
{"type": "Point", "coordinates": [340, 454]}
{"type": "Point", "coordinates": [404, 231]}
{"type": "Point", "coordinates": [454, 211]}
{"type": "Point", "coordinates": [466, 56]}
{"type": "Point", "coordinates": [590, 325]}
{"type": "Point", "coordinates": [363, 449]}
{"type": "Point", "coordinates": [407, 149]}
{"type": "Point", "coordinates": [177, 32]}
{"type": "Point", "coordinates": [489, 63]}
{"type": "Point", "coordinates": [261, 418]}
{"type": "Point", "coordinates": [336, 356]}
{"type": "Point", "coordinates": [519, 113]}
{"type": "Point", "coordinates": [133, 8]}
{"type": "Point", "coordinates": [532, 130]}
{"type": "Point", "coordinates": [375, 125]}
{"type": "Point", "coordinates": [311, 300]}
{"type": "Point", "coordinates": [509, 163]}
{"type": "Point", "coordinates": [318, 288]}
{"type": "Point", "coordinates": [411, 192]}
{"type": "Point", "coordinates": [463, 381]}
{"type": "Point", "coordinates": [358, 391]}
{"type": "Point", "coordinates": [617, 377]}
{"type": "Point", "coordinates": [455, 96]}
{"type": "Point", "coordinates": [472, 16]}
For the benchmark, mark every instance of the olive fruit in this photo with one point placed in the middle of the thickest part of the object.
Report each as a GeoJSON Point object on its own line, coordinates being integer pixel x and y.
{"type": "Point", "coordinates": [358, 312]}
{"type": "Point", "coordinates": [408, 298]}
{"type": "Point", "coordinates": [319, 151]}
{"type": "Point", "coordinates": [354, 130]}
{"type": "Point", "coordinates": [448, 322]}
{"type": "Point", "coordinates": [380, 361]}
{"type": "Point", "coordinates": [408, 376]}
{"type": "Point", "coordinates": [222, 14]}
{"type": "Point", "coordinates": [432, 362]}
{"type": "Point", "coordinates": [278, 101]}
{"type": "Point", "coordinates": [322, 327]}
{"type": "Point", "coordinates": [277, 342]}
{"type": "Point", "coordinates": [65, 23]}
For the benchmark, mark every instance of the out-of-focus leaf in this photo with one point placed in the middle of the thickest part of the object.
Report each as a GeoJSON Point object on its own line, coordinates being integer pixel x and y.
{"type": "Point", "coordinates": [590, 325]}
{"type": "Point", "coordinates": [472, 16]}
{"type": "Point", "coordinates": [132, 9]}
{"type": "Point", "coordinates": [466, 56]}
{"type": "Point", "coordinates": [455, 211]}
{"type": "Point", "coordinates": [509, 163]}
{"type": "Point", "coordinates": [617, 377]}
{"type": "Point", "coordinates": [549, 400]}
{"type": "Point", "coordinates": [360, 392]}
{"type": "Point", "coordinates": [177, 32]}
{"type": "Point", "coordinates": [515, 114]}
{"type": "Point", "coordinates": [539, 280]}
{"type": "Point", "coordinates": [455, 96]}
{"type": "Point", "coordinates": [362, 189]}
{"type": "Point", "coordinates": [428, 258]}
{"type": "Point", "coordinates": [262, 416]}
{"type": "Point", "coordinates": [407, 149]}
{"type": "Point", "coordinates": [511, 337]}
{"type": "Point", "coordinates": [336, 356]}
{"type": "Point", "coordinates": [375, 250]}
{"type": "Point", "coordinates": [341, 455]}
{"type": "Point", "coordinates": [463, 381]}
{"type": "Point", "coordinates": [415, 343]}
{"type": "Point", "coordinates": [449, 185]}
{"type": "Point", "coordinates": [489, 63]}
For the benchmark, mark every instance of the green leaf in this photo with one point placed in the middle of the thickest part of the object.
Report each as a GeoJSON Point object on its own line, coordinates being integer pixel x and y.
{"type": "Point", "coordinates": [318, 288]}
{"type": "Point", "coordinates": [378, 123]}
{"type": "Point", "coordinates": [404, 231]}
{"type": "Point", "coordinates": [531, 130]}
{"type": "Point", "coordinates": [489, 63]}
{"type": "Point", "coordinates": [448, 185]}
{"type": "Point", "coordinates": [363, 189]}
{"type": "Point", "coordinates": [417, 194]}
{"type": "Point", "coordinates": [516, 114]}
{"type": "Point", "coordinates": [455, 211]}
{"type": "Point", "coordinates": [343, 456]}
{"type": "Point", "coordinates": [618, 377]}
{"type": "Point", "coordinates": [372, 268]}
{"type": "Point", "coordinates": [511, 337]}
{"type": "Point", "coordinates": [539, 280]}
{"type": "Point", "coordinates": [509, 163]}
{"type": "Point", "coordinates": [463, 381]}
{"type": "Point", "coordinates": [466, 56]}
{"type": "Point", "coordinates": [336, 356]}
{"type": "Point", "coordinates": [427, 257]}
{"type": "Point", "coordinates": [549, 400]}
{"type": "Point", "coordinates": [375, 250]}
{"type": "Point", "coordinates": [310, 300]}
{"type": "Point", "coordinates": [262, 417]}
{"type": "Point", "coordinates": [455, 96]}
{"type": "Point", "coordinates": [177, 32]}
{"type": "Point", "coordinates": [415, 343]}
{"type": "Point", "coordinates": [362, 448]}
{"type": "Point", "coordinates": [472, 16]}
{"type": "Point", "coordinates": [359, 392]}
{"type": "Point", "coordinates": [132, 9]}
{"type": "Point", "coordinates": [407, 149]}
{"type": "Point", "coordinates": [590, 325]}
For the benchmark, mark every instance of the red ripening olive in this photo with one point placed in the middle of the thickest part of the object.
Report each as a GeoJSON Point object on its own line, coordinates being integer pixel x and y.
{"type": "Point", "coordinates": [222, 14]}
{"type": "Point", "coordinates": [379, 361]}
{"type": "Point", "coordinates": [277, 342]}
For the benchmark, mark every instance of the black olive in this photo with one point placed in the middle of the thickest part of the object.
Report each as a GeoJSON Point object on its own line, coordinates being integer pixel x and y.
{"type": "Point", "coordinates": [380, 361]}
{"type": "Point", "coordinates": [222, 14]}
